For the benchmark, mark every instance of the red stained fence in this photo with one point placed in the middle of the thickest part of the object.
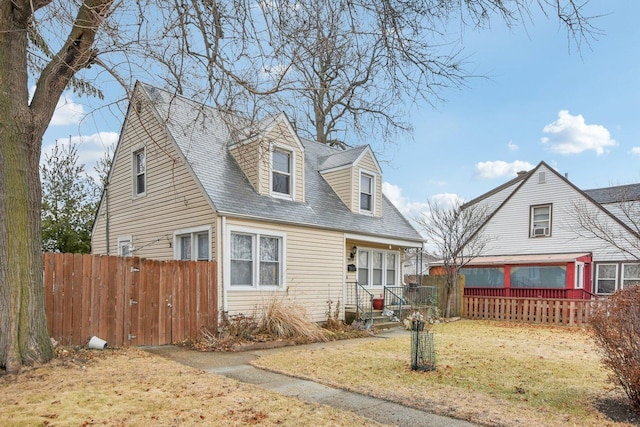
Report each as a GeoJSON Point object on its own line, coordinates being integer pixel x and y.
{"type": "Point", "coordinates": [575, 312]}
{"type": "Point", "coordinates": [547, 293]}
{"type": "Point", "coordinates": [128, 300]}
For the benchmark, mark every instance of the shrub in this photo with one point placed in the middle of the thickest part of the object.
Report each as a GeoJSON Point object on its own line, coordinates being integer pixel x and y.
{"type": "Point", "coordinates": [289, 321]}
{"type": "Point", "coordinates": [616, 326]}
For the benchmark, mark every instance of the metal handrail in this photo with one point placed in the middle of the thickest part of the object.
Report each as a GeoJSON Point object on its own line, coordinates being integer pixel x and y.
{"type": "Point", "coordinates": [391, 298]}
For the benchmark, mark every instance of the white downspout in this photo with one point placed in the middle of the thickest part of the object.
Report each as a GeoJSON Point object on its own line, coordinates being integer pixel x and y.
{"type": "Point", "coordinates": [225, 305]}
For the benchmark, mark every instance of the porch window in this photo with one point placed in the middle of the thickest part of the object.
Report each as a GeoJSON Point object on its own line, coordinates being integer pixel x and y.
{"type": "Point", "coordinates": [256, 259]}
{"type": "Point", "coordinates": [377, 268]}
{"type": "Point", "coordinates": [630, 275]}
{"type": "Point", "coordinates": [391, 269]}
{"type": "Point", "coordinates": [489, 277]}
{"type": "Point", "coordinates": [540, 221]}
{"type": "Point", "coordinates": [547, 277]}
{"type": "Point", "coordinates": [606, 278]}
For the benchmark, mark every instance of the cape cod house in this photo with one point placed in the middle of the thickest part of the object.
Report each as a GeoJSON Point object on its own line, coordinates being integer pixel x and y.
{"type": "Point", "coordinates": [284, 217]}
{"type": "Point", "coordinates": [538, 248]}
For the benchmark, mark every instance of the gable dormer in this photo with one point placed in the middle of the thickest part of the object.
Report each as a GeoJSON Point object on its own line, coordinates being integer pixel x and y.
{"type": "Point", "coordinates": [356, 177]}
{"type": "Point", "coordinates": [273, 160]}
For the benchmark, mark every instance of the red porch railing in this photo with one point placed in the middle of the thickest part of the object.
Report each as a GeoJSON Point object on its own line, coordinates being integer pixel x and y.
{"type": "Point", "coordinates": [545, 293]}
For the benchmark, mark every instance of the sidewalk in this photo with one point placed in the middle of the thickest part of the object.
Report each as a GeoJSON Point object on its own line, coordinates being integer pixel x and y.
{"type": "Point", "coordinates": [237, 366]}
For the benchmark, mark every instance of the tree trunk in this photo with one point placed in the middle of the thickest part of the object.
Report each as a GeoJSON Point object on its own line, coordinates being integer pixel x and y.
{"type": "Point", "coordinates": [24, 337]}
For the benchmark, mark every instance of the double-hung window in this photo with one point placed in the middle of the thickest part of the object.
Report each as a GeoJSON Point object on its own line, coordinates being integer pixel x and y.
{"type": "Point", "coordinates": [139, 172]}
{"type": "Point", "coordinates": [540, 224]}
{"type": "Point", "coordinates": [124, 246]}
{"type": "Point", "coordinates": [281, 167]}
{"type": "Point", "coordinates": [630, 275]}
{"type": "Point", "coordinates": [256, 259]}
{"type": "Point", "coordinates": [366, 192]}
{"type": "Point", "coordinates": [377, 268]}
{"type": "Point", "coordinates": [192, 244]}
{"type": "Point", "coordinates": [606, 278]}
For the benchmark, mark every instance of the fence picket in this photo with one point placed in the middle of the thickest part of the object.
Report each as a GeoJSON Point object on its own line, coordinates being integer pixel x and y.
{"type": "Point", "coordinates": [88, 295]}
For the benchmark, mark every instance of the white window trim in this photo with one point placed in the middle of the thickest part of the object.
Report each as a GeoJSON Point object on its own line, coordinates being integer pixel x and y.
{"type": "Point", "coordinates": [194, 243]}
{"type": "Point", "coordinates": [292, 176]}
{"type": "Point", "coordinates": [373, 191]}
{"type": "Point", "coordinates": [622, 278]}
{"type": "Point", "coordinates": [256, 232]}
{"type": "Point", "coordinates": [615, 279]}
{"type": "Point", "coordinates": [384, 267]}
{"type": "Point", "coordinates": [125, 239]}
{"type": "Point", "coordinates": [546, 231]}
{"type": "Point", "coordinates": [134, 171]}
{"type": "Point", "coordinates": [579, 278]}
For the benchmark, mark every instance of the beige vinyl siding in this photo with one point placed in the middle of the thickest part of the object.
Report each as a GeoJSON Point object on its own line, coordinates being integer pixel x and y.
{"type": "Point", "coordinates": [368, 164]}
{"type": "Point", "coordinates": [248, 158]}
{"type": "Point", "coordinates": [172, 200]}
{"type": "Point", "coordinates": [341, 181]}
{"type": "Point", "coordinates": [281, 135]}
{"type": "Point", "coordinates": [315, 266]}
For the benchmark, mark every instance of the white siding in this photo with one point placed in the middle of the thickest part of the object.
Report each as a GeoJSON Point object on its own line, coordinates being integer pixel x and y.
{"type": "Point", "coordinates": [508, 229]}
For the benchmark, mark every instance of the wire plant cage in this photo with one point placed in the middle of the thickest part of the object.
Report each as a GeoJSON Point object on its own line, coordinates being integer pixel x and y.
{"type": "Point", "coordinates": [423, 350]}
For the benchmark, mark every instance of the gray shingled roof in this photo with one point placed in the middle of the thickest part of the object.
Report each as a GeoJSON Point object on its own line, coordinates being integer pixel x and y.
{"type": "Point", "coordinates": [621, 193]}
{"type": "Point", "coordinates": [203, 137]}
{"type": "Point", "coordinates": [340, 158]}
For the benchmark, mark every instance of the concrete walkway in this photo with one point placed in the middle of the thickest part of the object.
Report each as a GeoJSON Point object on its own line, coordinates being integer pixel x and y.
{"type": "Point", "coordinates": [237, 366]}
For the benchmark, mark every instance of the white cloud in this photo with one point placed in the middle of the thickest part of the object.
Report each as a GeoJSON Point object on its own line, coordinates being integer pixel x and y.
{"type": "Point", "coordinates": [406, 207]}
{"type": "Point", "coordinates": [635, 150]}
{"type": "Point", "coordinates": [67, 112]}
{"type": "Point", "coordinates": [571, 135]}
{"type": "Point", "coordinates": [91, 148]}
{"type": "Point", "coordinates": [499, 168]}
{"type": "Point", "coordinates": [512, 147]}
{"type": "Point", "coordinates": [446, 200]}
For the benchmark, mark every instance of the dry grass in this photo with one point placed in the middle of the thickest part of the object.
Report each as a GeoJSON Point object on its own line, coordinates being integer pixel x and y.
{"type": "Point", "coordinates": [289, 321]}
{"type": "Point", "coordinates": [133, 388]}
{"type": "Point", "coordinates": [489, 373]}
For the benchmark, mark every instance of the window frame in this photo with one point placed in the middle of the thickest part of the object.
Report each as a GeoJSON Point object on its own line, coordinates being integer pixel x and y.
{"type": "Point", "coordinates": [372, 195]}
{"type": "Point", "coordinates": [121, 244]}
{"type": "Point", "coordinates": [383, 271]}
{"type": "Point", "coordinates": [136, 174]}
{"type": "Point", "coordinates": [532, 223]}
{"type": "Point", "coordinates": [597, 277]}
{"type": "Point", "coordinates": [291, 175]}
{"type": "Point", "coordinates": [623, 278]}
{"type": "Point", "coordinates": [193, 233]}
{"type": "Point", "coordinates": [256, 235]}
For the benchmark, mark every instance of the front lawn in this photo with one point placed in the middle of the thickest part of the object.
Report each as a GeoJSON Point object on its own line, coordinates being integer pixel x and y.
{"type": "Point", "coordinates": [487, 372]}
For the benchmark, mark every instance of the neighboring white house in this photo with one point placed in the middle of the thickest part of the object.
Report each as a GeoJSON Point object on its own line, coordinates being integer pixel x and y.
{"type": "Point", "coordinates": [536, 246]}
{"type": "Point", "coordinates": [284, 217]}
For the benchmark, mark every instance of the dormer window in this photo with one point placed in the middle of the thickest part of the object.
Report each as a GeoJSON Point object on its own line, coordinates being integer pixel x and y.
{"type": "Point", "coordinates": [281, 172]}
{"type": "Point", "coordinates": [366, 192]}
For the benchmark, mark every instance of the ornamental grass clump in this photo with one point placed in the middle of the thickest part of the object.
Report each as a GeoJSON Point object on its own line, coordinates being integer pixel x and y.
{"type": "Point", "coordinates": [289, 321]}
{"type": "Point", "coordinates": [616, 327]}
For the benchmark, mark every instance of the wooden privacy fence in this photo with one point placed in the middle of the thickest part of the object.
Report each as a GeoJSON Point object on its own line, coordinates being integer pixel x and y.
{"type": "Point", "coordinates": [532, 310]}
{"type": "Point", "coordinates": [128, 300]}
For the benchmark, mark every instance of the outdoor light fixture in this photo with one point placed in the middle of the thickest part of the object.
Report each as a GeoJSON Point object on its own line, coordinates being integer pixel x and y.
{"type": "Point", "coordinates": [354, 251]}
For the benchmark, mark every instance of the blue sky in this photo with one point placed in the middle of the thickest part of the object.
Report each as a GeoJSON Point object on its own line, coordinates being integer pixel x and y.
{"type": "Point", "coordinates": [541, 99]}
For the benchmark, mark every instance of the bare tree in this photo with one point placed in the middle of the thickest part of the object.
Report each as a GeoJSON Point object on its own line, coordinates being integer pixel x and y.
{"type": "Point", "coordinates": [621, 202]}
{"type": "Point", "coordinates": [457, 236]}
{"type": "Point", "coordinates": [212, 50]}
